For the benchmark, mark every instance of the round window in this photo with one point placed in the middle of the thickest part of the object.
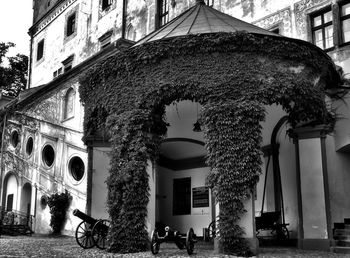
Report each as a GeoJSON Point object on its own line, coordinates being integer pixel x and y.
{"type": "Point", "coordinates": [29, 146]}
{"type": "Point", "coordinates": [48, 155]}
{"type": "Point", "coordinates": [43, 202]}
{"type": "Point", "coordinates": [14, 138]}
{"type": "Point", "coordinates": [76, 168]}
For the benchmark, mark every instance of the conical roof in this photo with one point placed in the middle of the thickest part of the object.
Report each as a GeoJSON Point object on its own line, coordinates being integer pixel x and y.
{"type": "Point", "coordinates": [201, 19]}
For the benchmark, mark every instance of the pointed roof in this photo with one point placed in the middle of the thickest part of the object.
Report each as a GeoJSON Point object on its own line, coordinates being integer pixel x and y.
{"type": "Point", "coordinates": [201, 19]}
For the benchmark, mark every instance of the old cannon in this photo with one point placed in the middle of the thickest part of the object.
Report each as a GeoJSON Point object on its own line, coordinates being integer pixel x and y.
{"type": "Point", "coordinates": [91, 232]}
{"type": "Point", "coordinates": [181, 240]}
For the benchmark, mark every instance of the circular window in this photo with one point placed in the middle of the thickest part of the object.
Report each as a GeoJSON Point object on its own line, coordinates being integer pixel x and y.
{"type": "Point", "coordinates": [76, 168]}
{"type": "Point", "coordinates": [48, 155]}
{"type": "Point", "coordinates": [43, 202]}
{"type": "Point", "coordinates": [29, 146]}
{"type": "Point", "coordinates": [14, 138]}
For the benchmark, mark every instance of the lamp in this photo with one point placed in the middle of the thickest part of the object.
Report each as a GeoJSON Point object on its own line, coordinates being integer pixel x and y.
{"type": "Point", "coordinates": [197, 125]}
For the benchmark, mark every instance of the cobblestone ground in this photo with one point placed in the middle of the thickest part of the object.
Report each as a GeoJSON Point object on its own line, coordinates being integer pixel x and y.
{"type": "Point", "coordinates": [46, 247]}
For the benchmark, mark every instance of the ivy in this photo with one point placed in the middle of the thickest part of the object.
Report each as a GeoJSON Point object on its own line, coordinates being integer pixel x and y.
{"type": "Point", "coordinates": [58, 204]}
{"type": "Point", "coordinates": [233, 76]}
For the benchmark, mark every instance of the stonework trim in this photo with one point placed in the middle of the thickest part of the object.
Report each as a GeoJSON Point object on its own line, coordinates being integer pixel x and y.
{"type": "Point", "coordinates": [51, 16]}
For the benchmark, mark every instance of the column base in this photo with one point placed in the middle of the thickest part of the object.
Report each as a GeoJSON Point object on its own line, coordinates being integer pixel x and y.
{"type": "Point", "coordinates": [253, 244]}
{"type": "Point", "coordinates": [315, 244]}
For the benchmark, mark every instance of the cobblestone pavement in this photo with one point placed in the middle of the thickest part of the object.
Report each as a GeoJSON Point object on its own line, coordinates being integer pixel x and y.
{"type": "Point", "coordinates": [46, 247]}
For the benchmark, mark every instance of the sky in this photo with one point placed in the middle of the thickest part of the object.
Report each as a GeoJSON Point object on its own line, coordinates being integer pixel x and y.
{"type": "Point", "coordinates": [15, 21]}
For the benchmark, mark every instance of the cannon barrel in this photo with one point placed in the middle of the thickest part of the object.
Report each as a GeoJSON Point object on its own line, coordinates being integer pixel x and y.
{"type": "Point", "coordinates": [84, 217]}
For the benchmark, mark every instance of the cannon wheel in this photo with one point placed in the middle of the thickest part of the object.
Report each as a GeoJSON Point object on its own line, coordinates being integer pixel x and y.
{"type": "Point", "coordinates": [155, 244]}
{"type": "Point", "coordinates": [190, 241]}
{"type": "Point", "coordinates": [100, 233]}
{"type": "Point", "coordinates": [83, 235]}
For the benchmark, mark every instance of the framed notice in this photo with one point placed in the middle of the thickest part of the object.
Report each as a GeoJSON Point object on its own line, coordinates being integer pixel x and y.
{"type": "Point", "coordinates": [200, 197]}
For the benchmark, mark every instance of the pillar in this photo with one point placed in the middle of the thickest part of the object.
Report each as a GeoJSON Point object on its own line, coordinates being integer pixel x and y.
{"type": "Point", "coordinates": [313, 193]}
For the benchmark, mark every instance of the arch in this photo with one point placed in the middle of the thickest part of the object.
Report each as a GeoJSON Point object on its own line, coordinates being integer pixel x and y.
{"type": "Point", "coordinates": [131, 33]}
{"type": "Point", "coordinates": [68, 104]}
{"type": "Point", "coordinates": [225, 76]}
{"type": "Point", "coordinates": [184, 140]}
{"type": "Point", "coordinates": [26, 199]}
{"type": "Point", "coordinates": [10, 191]}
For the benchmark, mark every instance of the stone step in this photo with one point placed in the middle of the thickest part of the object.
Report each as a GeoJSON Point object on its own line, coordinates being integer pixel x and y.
{"type": "Point", "coordinates": [341, 237]}
{"type": "Point", "coordinates": [343, 243]}
{"type": "Point", "coordinates": [339, 225]}
{"type": "Point", "coordinates": [340, 249]}
{"type": "Point", "coordinates": [341, 232]}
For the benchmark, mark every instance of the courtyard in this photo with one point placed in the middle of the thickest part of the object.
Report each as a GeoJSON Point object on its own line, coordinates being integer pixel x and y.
{"type": "Point", "coordinates": [65, 246]}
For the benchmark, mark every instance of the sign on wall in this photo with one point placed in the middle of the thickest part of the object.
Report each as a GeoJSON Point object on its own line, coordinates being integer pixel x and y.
{"type": "Point", "coordinates": [200, 197]}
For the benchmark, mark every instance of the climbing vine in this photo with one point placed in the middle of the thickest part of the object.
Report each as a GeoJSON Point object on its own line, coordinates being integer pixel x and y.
{"type": "Point", "coordinates": [233, 76]}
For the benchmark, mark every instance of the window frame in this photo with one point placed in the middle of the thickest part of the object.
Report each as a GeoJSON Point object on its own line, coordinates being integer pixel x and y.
{"type": "Point", "coordinates": [163, 12]}
{"type": "Point", "coordinates": [105, 4]}
{"type": "Point", "coordinates": [71, 24]}
{"type": "Point", "coordinates": [322, 26]}
{"type": "Point", "coordinates": [341, 19]}
{"type": "Point", "coordinates": [40, 49]}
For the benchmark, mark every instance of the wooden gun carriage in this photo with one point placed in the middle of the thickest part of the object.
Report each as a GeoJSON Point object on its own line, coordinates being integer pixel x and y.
{"type": "Point", "coordinates": [91, 232]}
{"type": "Point", "coordinates": [182, 241]}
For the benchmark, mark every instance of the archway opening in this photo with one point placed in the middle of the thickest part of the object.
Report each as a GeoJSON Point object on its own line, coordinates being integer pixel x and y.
{"type": "Point", "coordinates": [26, 197]}
{"type": "Point", "coordinates": [183, 200]}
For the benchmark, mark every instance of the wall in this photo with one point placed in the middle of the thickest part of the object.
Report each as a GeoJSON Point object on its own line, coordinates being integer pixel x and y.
{"type": "Point", "coordinates": [199, 218]}
{"type": "Point", "coordinates": [99, 190]}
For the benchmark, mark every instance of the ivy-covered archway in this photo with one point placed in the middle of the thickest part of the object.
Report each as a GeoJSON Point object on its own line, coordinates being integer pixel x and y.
{"type": "Point", "coordinates": [233, 76]}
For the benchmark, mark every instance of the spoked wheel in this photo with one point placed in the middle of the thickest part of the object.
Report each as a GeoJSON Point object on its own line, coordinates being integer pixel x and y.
{"type": "Point", "coordinates": [282, 232]}
{"type": "Point", "coordinates": [100, 233]}
{"type": "Point", "coordinates": [212, 230]}
{"type": "Point", "coordinates": [190, 240]}
{"type": "Point", "coordinates": [83, 235]}
{"type": "Point", "coordinates": [155, 242]}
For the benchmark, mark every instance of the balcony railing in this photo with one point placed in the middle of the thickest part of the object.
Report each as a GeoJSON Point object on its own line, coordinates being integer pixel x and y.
{"type": "Point", "coordinates": [15, 222]}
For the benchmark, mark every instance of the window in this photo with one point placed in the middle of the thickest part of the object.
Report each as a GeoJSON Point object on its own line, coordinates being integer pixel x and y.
{"type": "Point", "coordinates": [14, 139]}
{"type": "Point", "coordinates": [57, 72]}
{"type": "Point", "coordinates": [29, 146]}
{"type": "Point", "coordinates": [275, 30]}
{"type": "Point", "coordinates": [345, 22]}
{"type": "Point", "coordinates": [76, 168]}
{"type": "Point", "coordinates": [163, 12]}
{"type": "Point", "coordinates": [68, 63]}
{"type": "Point", "coordinates": [68, 108]}
{"type": "Point", "coordinates": [105, 39]}
{"type": "Point", "coordinates": [40, 50]}
{"type": "Point", "coordinates": [105, 4]}
{"type": "Point", "coordinates": [209, 2]}
{"type": "Point", "coordinates": [182, 196]}
{"type": "Point", "coordinates": [131, 33]}
{"type": "Point", "coordinates": [322, 29]}
{"type": "Point", "coordinates": [48, 155]}
{"type": "Point", "coordinates": [70, 25]}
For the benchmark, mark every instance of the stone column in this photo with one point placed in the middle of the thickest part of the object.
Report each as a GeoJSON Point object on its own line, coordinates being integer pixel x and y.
{"type": "Point", "coordinates": [151, 207]}
{"type": "Point", "coordinates": [315, 230]}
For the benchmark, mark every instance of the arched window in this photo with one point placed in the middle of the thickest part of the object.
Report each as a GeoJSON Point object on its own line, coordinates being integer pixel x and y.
{"type": "Point", "coordinates": [68, 107]}
{"type": "Point", "coordinates": [131, 33]}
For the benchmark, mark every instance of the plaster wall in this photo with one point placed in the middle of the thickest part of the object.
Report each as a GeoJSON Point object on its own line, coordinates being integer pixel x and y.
{"type": "Point", "coordinates": [99, 190]}
{"type": "Point", "coordinates": [199, 218]}
{"type": "Point", "coordinates": [312, 189]}
{"type": "Point", "coordinates": [338, 164]}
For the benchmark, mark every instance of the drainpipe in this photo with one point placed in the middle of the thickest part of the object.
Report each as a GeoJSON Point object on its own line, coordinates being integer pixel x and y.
{"type": "Point", "coordinates": [2, 158]}
{"type": "Point", "coordinates": [124, 18]}
{"type": "Point", "coordinates": [30, 61]}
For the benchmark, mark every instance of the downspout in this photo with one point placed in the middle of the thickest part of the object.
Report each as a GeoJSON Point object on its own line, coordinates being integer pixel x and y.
{"type": "Point", "coordinates": [124, 18]}
{"type": "Point", "coordinates": [30, 61]}
{"type": "Point", "coordinates": [2, 159]}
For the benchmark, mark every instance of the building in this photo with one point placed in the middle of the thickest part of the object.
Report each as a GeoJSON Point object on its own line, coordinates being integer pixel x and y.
{"type": "Point", "coordinates": [45, 148]}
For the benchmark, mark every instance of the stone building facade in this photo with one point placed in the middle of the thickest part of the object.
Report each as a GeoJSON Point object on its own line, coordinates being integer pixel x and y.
{"type": "Point", "coordinates": [43, 149]}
